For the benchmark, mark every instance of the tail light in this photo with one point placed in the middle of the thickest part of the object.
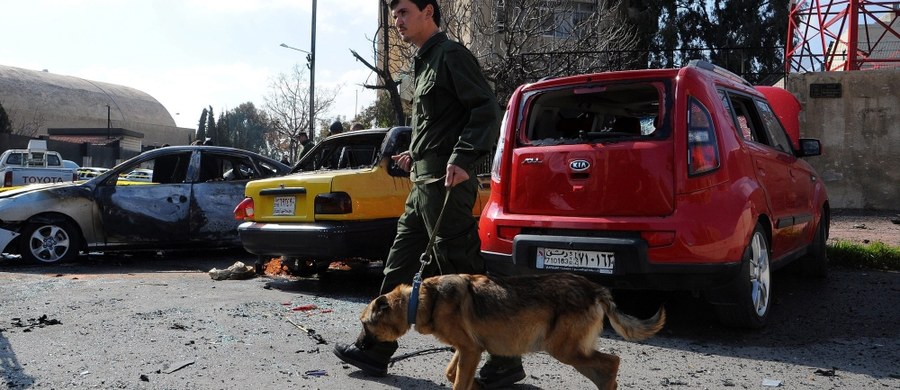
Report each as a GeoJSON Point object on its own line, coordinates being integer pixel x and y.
{"type": "Point", "coordinates": [333, 203]}
{"type": "Point", "coordinates": [703, 150]}
{"type": "Point", "coordinates": [498, 154]}
{"type": "Point", "coordinates": [244, 210]}
{"type": "Point", "coordinates": [7, 179]}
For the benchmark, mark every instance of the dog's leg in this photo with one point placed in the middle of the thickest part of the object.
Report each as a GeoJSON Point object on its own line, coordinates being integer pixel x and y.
{"type": "Point", "coordinates": [466, 365]}
{"type": "Point", "coordinates": [601, 368]}
{"type": "Point", "coordinates": [450, 373]}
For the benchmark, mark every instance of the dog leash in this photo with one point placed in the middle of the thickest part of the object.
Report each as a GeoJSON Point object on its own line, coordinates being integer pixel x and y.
{"type": "Point", "coordinates": [425, 259]}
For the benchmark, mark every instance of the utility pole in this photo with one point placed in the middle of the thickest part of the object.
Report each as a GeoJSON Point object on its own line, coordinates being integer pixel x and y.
{"type": "Point", "coordinates": [312, 76]}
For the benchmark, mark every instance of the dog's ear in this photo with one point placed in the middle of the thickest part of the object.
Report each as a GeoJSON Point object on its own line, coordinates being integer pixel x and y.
{"type": "Point", "coordinates": [381, 305]}
{"type": "Point", "coordinates": [376, 309]}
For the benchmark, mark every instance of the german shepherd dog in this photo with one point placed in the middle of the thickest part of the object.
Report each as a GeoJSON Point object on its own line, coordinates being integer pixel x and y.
{"type": "Point", "coordinates": [559, 313]}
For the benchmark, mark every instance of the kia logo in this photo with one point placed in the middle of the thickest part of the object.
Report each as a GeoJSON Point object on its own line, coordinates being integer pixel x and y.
{"type": "Point", "coordinates": [579, 165]}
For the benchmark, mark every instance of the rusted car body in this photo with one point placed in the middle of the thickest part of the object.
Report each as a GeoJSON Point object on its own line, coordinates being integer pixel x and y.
{"type": "Point", "coordinates": [187, 204]}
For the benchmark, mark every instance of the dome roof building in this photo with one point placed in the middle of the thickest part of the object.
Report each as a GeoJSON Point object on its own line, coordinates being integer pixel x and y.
{"type": "Point", "coordinates": [55, 101]}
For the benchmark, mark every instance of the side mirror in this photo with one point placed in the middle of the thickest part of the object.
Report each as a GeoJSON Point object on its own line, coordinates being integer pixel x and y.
{"type": "Point", "coordinates": [810, 147]}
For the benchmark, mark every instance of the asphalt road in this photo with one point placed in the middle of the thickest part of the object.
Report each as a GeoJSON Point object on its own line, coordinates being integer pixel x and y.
{"type": "Point", "coordinates": [162, 323]}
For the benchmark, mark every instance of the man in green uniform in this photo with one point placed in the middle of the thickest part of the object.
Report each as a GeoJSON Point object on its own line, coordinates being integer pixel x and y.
{"type": "Point", "coordinates": [455, 121]}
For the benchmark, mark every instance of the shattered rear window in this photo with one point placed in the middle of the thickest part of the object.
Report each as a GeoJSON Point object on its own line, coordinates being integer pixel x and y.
{"type": "Point", "coordinates": [347, 152]}
{"type": "Point", "coordinates": [596, 113]}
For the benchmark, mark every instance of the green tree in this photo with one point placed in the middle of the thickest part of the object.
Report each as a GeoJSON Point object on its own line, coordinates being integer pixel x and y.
{"type": "Point", "coordinates": [222, 129]}
{"type": "Point", "coordinates": [201, 126]}
{"type": "Point", "coordinates": [247, 128]}
{"type": "Point", "coordinates": [744, 36]}
{"type": "Point", "coordinates": [211, 127]}
{"type": "Point", "coordinates": [5, 124]}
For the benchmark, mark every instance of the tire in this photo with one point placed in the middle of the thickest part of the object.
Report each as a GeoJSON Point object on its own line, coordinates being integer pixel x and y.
{"type": "Point", "coordinates": [815, 263]}
{"type": "Point", "coordinates": [49, 242]}
{"type": "Point", "coordinates": [302, 267]}
{"type": "Point", "coordinates": [750, 295]}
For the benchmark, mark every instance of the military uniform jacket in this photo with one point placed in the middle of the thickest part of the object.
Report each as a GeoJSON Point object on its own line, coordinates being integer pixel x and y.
{"type": "Point", "coordinates": [455, 113]}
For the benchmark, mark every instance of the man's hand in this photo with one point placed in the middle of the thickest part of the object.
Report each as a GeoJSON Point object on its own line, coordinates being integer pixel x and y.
{"type": "Point", "coordinates": [455, 175]}
{"type": "Point", "coordinates": [403, 160]}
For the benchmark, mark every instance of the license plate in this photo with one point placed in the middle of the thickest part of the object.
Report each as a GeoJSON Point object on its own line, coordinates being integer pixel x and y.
{"type": "Point", "coordinates": [284, 205]}
{"type": "Point", "coordinates": [576, 260]}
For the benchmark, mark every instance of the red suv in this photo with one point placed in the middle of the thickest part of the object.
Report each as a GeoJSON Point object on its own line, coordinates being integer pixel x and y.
{"type": "Point", "coordinates": [670, 179]}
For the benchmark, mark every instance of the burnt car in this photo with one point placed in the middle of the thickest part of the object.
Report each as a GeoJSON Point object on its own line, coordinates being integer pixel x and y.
{"type": "Point", "coordinates": [186, 202]}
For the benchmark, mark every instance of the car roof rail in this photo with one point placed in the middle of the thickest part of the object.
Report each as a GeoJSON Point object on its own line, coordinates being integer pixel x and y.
{"type": "Point", "coordinates": [706, 65]}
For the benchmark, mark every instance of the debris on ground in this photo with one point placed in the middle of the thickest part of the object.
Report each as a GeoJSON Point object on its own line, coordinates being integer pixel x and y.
{"type": "Point", "coordinates": [830, 372]}
{"type": "Point", "coordinates": [340, 266]}
{"type": "Point", "coordinates": [309, 332]}
{"type": "Point", "coordinates": [315, 373]}
{"type": "Point", "coordinates": [32, 323]}
{"type": "Point", "coordinates": [170, 368]}
{"type": "Point", "coordinates": [237, 271]}
{"type": "Point", "coordinates": [274, 267]}
{"type": "Point", "coordinates": [766, 382]}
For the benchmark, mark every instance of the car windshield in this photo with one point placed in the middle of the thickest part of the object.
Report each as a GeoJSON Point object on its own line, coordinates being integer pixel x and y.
{"type": "Point", "coordinates": [344, 152]}
{"type": "Point", "coordinates": [591, 113]}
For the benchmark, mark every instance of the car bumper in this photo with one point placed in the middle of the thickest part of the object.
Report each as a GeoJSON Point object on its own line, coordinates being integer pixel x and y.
{"type": "Point", "coordinates": [320, 240]}
{"type": "Point", "coordinates": [633, 269]}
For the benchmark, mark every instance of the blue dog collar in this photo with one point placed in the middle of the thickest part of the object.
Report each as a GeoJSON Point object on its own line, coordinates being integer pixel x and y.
{"type": "Point", "coordinates": [413, 306]}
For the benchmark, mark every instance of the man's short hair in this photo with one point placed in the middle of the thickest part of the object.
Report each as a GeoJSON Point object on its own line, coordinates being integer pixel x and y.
{"type": "Point", "coordinates": [421, 4]}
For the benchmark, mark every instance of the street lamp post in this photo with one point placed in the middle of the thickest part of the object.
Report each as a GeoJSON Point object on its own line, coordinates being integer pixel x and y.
{"type": "Point", "coordinates": [108, 122]}
{"type": "Point", "coordinates": [311, 59]}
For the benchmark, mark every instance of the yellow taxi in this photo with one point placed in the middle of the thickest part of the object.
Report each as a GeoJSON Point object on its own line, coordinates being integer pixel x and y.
{"type": "Point", "coordinates": [342, 200]}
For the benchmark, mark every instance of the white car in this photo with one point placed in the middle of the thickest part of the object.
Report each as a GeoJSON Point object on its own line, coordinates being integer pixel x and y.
{"type": "Point", "coordinates": [85, 173]}
{"type": "Point", "coordinates": [140, 175]}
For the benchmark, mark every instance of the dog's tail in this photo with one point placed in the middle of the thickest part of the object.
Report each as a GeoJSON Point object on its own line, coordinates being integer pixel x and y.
{"type": "Point", "coordinates": [629, 327]}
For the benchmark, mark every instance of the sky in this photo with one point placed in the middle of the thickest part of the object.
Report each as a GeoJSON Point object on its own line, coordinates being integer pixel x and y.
{"type": "Point", "coordinates": [192, 54]}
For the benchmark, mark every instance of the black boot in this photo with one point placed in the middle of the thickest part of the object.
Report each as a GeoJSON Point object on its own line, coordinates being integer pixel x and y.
{"type": "Point", "coordinates": [500, 371]}
{"type": "Point", "coordinates": [372, 357]}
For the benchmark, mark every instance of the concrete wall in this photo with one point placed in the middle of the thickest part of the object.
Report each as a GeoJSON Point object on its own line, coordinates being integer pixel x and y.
{"type": "Point", "coordinates": [859, 131]}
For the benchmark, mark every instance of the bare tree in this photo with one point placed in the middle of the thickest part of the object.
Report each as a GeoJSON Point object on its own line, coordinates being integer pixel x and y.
{"type": "Point", "coordinates": [287, 106]}
{"type": "Point", "coordinates": [520, 41]}
{"type": "Point", "coordinates": [387, 63]}
{"type": "Point", "coordinates": [27, 126]}
{"type": "Point", "coordinates": [516, 41]}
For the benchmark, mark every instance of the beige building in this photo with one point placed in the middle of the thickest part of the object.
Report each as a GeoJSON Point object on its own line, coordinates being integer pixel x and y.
{"type": "Point", "coordinates": [41, 100]}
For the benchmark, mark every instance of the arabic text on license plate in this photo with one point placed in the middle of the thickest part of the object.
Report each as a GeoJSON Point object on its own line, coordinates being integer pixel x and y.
{"type": "Point", "coordinates": [284, 205]}
{"type": "Point", "coordinates": [571, 259]}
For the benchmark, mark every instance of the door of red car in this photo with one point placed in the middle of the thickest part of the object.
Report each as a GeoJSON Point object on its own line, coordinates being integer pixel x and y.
{"type": "Point", "coordinates": [148, 214]}
{"type": "Point", "coordinates": [775, 171]}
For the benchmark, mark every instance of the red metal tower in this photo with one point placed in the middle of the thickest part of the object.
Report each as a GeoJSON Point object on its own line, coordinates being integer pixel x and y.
{"type": "Point", "coordinates": [841, 35]}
